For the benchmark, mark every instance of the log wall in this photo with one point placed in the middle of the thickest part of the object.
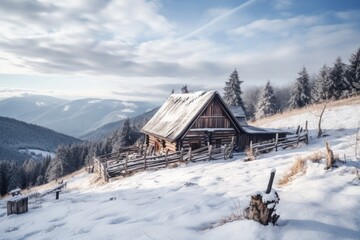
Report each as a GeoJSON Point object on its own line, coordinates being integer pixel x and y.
{"type": "Point", "coordinates": [204, 137]}
{"type": "Point", "coordinates": [161, 145]}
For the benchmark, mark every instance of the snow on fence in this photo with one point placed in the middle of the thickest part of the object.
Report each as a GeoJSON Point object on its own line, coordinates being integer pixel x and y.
{"type": "Point", "coordinates": [109, 166]}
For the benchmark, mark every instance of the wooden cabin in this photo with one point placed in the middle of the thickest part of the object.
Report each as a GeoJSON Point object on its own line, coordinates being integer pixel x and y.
{"type": "Point", "coordinates": [197, 119]}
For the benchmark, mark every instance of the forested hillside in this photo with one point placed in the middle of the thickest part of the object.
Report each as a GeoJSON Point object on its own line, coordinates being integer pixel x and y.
{"type": "Point", "coordinates": [16, 135]}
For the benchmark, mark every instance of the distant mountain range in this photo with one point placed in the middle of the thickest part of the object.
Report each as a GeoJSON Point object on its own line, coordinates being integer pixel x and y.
{"type": "Point", "coordinates": [107, 129]}
{"type": "Point", "coordinates": [17, 136]}
{"type": "Point", "coordinates": [75, 118]}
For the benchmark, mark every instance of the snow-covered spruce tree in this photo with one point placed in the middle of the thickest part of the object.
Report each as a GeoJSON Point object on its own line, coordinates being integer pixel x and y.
{"type": "Point", "coordinates": [300, 94]}
{"type": "Point", "coordinates": [3, 178]}
{"type": "Point", "coordinates": [320, 91]}
{"type": "Point", "coordinates": [61, 165]}
{"type": "Point", "coordinates": [267, 104]}
{"type": "Point", "coordinates": [352, 72]}
{"type": "Point", "coordinates": [251, 98]}
{"type": "Point", "coordinates": [15, 176]}
{"type": "Point", "coordinates": [232, 91]}
{"type": "Point", "coordinates": [127, 134]}
{"type": "Point", "coordinates": [184, 89]}
{"type": "Point", "coordinates": [337, 85]}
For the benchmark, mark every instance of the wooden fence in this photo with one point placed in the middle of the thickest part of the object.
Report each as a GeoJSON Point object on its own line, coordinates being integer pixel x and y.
{"type": "Point", "coordinates": [113, 165]}
{"type": "Point", "coordinates": [278, 143]}
{"type": "Point", "coordinates": [133, 159]}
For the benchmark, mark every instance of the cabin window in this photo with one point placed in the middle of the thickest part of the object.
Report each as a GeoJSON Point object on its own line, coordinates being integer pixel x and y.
{"type": "Point", "coordinates": [194, 145]}
{"type": "Point", "coordinates": [163, 143]}
{"type": "Point", "coordinates": [218, 143]}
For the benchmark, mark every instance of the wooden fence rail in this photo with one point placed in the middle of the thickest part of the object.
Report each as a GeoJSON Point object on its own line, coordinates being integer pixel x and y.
{"type": "Point", "coordinates": [113, 165]}
{"type": "Point", "coordinates": [275, 144]}
{"type": "Point", "coordinates": [121, 164]}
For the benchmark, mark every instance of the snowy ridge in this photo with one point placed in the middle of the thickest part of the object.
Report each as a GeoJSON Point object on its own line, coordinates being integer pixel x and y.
{"type": "Point", "coordinates": [184, 202]}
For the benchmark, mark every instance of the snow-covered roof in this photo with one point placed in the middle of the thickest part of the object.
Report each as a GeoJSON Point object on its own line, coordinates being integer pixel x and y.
{"type": "Point", "coordinates": [237, 111]}
{"type": "Point", "coordinates": [177, 113]}
{"type": "Point", "coordinates": [257, 130]}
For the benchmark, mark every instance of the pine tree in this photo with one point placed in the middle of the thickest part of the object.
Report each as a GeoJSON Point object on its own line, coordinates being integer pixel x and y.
{"type": "Point", "coordinates": [352, 73]}
{"type": "Point", "coordinates": [3, 178]}
{"type": "Point", "coordinates": [267, 104]}
{"type": "Point", "coordinates": [300, 94]}
{"type": "Point", "coordinates": [232, 91]}
{"type": "Point", "coordinates": [320, 92]}
{"type": "Point", "coordinates": [127, 134]}
{"type": "Point", "coordinates": [61, 165]}
{"type": "Point", "coordinates": [184, 89]}
{"type": "Point", "coordinates": [337, 84]}
{"type": "Point", "coordinates": [14, 177]}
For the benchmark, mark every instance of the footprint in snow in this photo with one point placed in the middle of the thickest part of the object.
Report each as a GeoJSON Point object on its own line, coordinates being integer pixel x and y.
{"type": "Point", "coordinates": [118, 220]}
{"type": "Point", "coordinates": [190, 184]}
{"type": "Point", "coordinates": [220, 179]}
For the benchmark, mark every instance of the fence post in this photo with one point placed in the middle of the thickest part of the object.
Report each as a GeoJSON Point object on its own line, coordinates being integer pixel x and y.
{"type": "Point", "coordinates": [166, 157]}
{"type": "Point", "coordinates": [145, 160]}
{"type": "Point", "coordinates": [298, 139]}
{"type": "Point", "coordinates": [271, 180]}
{"type": "Point", "coordinates": [190, 155]}
{"type": "Point", "coordinates": [182, 154]}
{"type": "Point", "coordinates": [210, 152]}
{"type": "Point", "coordinates": [251, 149]}
{"type": "Point", "coordinates": [126, 162]}
{"type": "Point", "coordinates": [307, 133]}
{"type": "Point", "coordinates": [276, 141]}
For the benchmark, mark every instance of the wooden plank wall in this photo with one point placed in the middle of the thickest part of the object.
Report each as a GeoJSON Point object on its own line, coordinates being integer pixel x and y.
{"type": "Point", "coordinates": [213, 117]}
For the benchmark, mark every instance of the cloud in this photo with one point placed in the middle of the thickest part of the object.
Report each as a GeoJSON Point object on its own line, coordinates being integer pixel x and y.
{"type": "Point", "coordinates": [68, 37]}
{"type": "Point", "coordinates": [282, 27]}
{"type": "Point", "coordinates": [282, 4]}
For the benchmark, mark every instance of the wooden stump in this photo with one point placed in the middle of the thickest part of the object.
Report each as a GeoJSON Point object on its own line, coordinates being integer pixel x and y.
{"type": "Point", "coordinates": [17, 205]}
{"type": "Point", "coordinates": [329, 157]}
{"type": "Point", "coordinates": [262, 206]}
{"type": "Point", "coordinates": [262, 209]}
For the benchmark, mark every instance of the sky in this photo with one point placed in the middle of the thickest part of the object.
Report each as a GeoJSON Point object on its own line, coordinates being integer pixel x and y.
{"type": "Point", "coordinates": [142, 49]}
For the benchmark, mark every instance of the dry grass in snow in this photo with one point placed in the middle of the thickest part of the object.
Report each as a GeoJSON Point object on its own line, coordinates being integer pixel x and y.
{"type": "Point", "coordinates": [299, 167]}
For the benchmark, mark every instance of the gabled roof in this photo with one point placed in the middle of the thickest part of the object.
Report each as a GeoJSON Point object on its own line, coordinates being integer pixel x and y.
{"type": "Point", "coordinates": [179, 112]}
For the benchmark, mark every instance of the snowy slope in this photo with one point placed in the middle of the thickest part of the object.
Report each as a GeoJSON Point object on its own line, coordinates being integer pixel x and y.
{"type": "Point", "coordinates": [184, 202]}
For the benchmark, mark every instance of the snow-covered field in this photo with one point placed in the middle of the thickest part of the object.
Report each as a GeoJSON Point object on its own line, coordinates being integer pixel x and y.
{"type": "Point", "coordinates": [187, 201]}
{"type": "Point", "coordinates": [37, 154]}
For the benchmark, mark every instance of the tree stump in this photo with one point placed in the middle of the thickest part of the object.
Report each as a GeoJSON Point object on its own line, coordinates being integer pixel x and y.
{"type": "Point", "coordinates": [329, 157]}
{"type": "Point", "coordinates": [263, 208]}
{"type": "Point", "coordinates": [263, 204]}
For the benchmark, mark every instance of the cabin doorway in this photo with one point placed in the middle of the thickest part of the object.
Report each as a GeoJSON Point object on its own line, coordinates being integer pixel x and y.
{"type": "Point", "coordinates": [157, 146]}
{"type": "Point", "coordinates": [195, 144]}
